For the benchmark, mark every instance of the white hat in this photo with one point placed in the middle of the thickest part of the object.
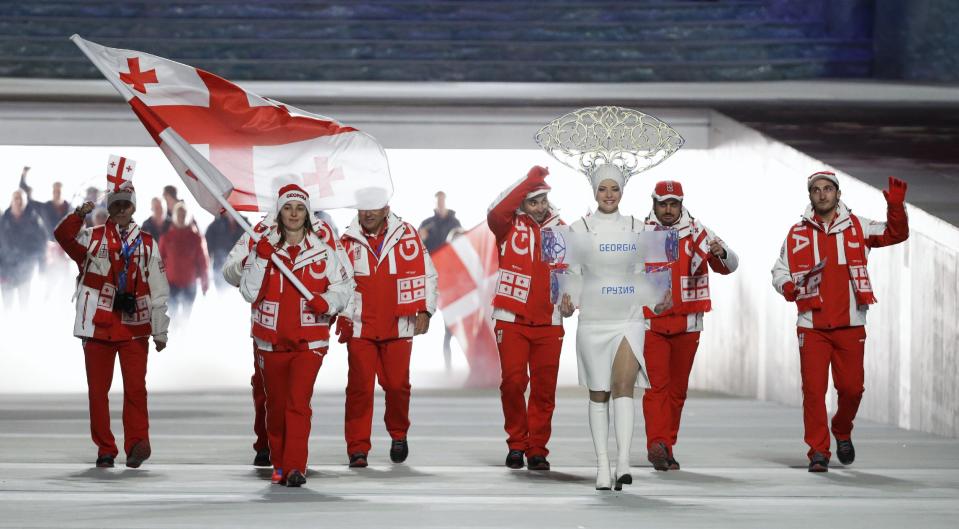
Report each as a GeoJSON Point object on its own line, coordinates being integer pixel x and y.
{"type": "Point", "coordinates": [607, 171]}
{"type": "Point", "coordinates": [826, 175]}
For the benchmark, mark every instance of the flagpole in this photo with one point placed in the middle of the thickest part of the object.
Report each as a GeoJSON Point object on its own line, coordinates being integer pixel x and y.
{"type": "Point", "coordinates": [176, 145]}
{"type": "Point", "coordinates": [195, 168]}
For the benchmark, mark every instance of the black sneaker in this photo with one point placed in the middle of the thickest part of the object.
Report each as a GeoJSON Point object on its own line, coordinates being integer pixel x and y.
{"type": "Point", "coordinates": [138, 454]}
{"type": "Point", "coordinates": [818, 463]}
{"type": "Point", "coordinates": [358, 460]}
{"type": "Point", "coordinates": [262, 458]}
{"type": "Point", "coordinates": [673, 464]}
{"type": "Point", "coordinates": [658, 455]}
{"type": "Point", "coordinates": [399, 450]}
{"type": "Point", "coordinates": [105, 462]}
{"type": "Point", "coordinates": [537, 463]}
{"type": "Point", "coordinates": [845, 451]}
{"type": "Point", "coordinates": [295, 479]}
{"type": "Point", "coordinates": [514, 459]}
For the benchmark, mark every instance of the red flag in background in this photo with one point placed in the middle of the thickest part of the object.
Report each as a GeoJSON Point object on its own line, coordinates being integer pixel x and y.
{"type": "Point", "coordinates": [256, 145]}
{"type": "Point", "coordinates": [467, 269]}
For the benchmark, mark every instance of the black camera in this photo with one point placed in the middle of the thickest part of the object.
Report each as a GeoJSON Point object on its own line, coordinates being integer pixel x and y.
{"type": "Point", "coordinates": [125, 302]}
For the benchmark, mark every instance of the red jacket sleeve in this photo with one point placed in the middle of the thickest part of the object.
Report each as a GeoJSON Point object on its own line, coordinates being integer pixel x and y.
{"type": "Point", "coordinates": [896, 229]}
{"type": "Point", "coordinates": [499, 217]}
{"type": "Point", "coordinates": [66, 236]}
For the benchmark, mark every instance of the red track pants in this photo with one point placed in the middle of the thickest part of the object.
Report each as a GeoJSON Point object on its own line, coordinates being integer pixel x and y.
{"type": "Point", "coordinates": [289, 379]}
{"type": "Point", "coordinates": [100, 357]}
{"type": "Point", "coordinates": [818, 350]}
{"type": "Point", "coordinates": [669, 359]}
{"type": "Point", "coordinates": [387, 361]}
{"type": "Point", "coordinates": [529, 356]}
{"type": "Point", "coordinates": [259, 407]}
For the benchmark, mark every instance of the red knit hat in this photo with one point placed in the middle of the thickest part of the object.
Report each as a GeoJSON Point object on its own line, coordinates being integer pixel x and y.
{"type": "Point", "coordinates": [292, 193]}
{"type": "Point", "coordinates": [541, 188]}
{"type": "Point", "coordinates": [668, 189]}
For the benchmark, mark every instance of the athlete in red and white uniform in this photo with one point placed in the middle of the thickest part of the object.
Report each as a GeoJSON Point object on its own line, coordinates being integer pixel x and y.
{"type": "Point", "coordinates": [121, 300]}
{"type": "Point", "coordinates": [394, 299]}
{"type": "Point", "coordinates": [822, 267]}
{"type": "Point", "coordinates": [291, 334]}
{"type": "Point", "coordinates": [232, 271]}
{"type": "Point", "coordinates": [529, 329]}
{"type": "Point", "coordinates": [672, 336]}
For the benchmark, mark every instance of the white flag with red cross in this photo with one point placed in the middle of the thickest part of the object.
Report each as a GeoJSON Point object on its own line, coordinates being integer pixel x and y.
{"type": "Point", "coordinates": [120, 172]}
{"type": "Point", "coordinates": [256, 145]}
{"type": "Point", "coordinates": [467, 269]}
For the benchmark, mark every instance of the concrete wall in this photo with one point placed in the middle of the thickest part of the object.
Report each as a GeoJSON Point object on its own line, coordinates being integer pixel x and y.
{"type": "Point", "coordinates": [750, 346]}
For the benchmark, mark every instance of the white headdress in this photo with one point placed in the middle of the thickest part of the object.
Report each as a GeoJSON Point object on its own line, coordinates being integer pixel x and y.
{"type": "Point", "coordinates": [609, 142]}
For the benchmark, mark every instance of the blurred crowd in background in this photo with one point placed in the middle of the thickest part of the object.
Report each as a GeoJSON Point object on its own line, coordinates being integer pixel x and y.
{"type": "Point", "coordinates": [193, 259]}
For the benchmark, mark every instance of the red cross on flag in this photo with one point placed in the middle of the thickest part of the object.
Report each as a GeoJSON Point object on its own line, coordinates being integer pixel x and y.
{"type": "Point", "coordinates": [467, 269]}
{"type": "Point", "coordinates": [120, 172]}
{"type": "Point", "coordinates": [245, 146]}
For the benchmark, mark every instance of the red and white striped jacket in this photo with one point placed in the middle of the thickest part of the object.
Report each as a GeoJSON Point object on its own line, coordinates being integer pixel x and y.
{"type": "Point", "coordinates": [690, 275]}
{"type": "Point", "coordinates": [282, 319]}
{"type": "Point", "coordinates": [522, 288]}
{"type": "Point", "coordinates": [97, 251]}
{"type": "Point", "coordinates": [839, 307]}
{"type": "Point", "coordinates": [392, 284]}
{"type": "Point", "coordinates": [233, 266]}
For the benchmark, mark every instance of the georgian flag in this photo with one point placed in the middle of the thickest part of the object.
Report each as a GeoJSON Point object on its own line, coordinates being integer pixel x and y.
{"type": "Point", "coordinates": [247, 146]}
{"type": "Point", "coordinates": [120, 172]}
{"type": "Point", "coordinates": [467, 268]}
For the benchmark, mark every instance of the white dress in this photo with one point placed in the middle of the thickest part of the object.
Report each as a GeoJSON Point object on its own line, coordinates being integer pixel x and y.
{"type": "Point", "coordinates": [597, 339]}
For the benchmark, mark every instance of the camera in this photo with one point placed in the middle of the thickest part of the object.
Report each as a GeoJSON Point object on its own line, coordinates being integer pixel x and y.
{"type": "Point", "coordinates": [125, 302]}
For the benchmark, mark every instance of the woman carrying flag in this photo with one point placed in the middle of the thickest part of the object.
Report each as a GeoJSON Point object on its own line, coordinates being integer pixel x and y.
{"type": "Point", "coordinates": [290, 332]}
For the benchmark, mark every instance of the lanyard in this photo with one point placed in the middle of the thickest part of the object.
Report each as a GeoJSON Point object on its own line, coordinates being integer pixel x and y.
{"type": "Point", "coordinates": [379, 247]}
{"type": "Point", "coordinates": [126, 252]}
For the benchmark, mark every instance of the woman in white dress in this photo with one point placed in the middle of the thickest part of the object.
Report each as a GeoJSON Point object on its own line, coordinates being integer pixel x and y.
{"type": "Point", "coordinates": [609, 350]}
{"type": "Point", "coordinates": [609, 145]}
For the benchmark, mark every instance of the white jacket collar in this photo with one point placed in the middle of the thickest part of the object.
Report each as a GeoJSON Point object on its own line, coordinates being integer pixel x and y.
{"type": "Point", "coordinates": [840, 222]}
{"type": "Point", "coordinates": [355, 231]}
{"type": "Point", "coordinates": [683, 225]}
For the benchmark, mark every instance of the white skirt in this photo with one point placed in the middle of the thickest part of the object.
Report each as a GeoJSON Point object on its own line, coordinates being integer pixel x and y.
{"type": "Point", "coordinates": [596, 346]}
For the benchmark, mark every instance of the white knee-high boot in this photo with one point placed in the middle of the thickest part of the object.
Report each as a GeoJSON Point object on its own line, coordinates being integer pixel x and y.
{"type": "Point", "coordinates": [623, 416]}
{"type": "Point", "coordinates": [599, 427]}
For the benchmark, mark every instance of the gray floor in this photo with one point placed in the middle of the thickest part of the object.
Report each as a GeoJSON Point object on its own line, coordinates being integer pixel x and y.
{"type": "Point", "coordinates": [743, 466]}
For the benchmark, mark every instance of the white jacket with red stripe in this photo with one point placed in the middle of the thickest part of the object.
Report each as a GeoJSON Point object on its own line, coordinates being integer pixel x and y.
{"type": "Point", "coordinates": [233, 267]}
{"type": "Point", "coordinates": [839, 299]}
{"type": "Point", "coordinates": [377, 282]}
{"type": "Point", "coordinates": [688, 228]}
{"type": "Point", "coordinates": [280, 310]}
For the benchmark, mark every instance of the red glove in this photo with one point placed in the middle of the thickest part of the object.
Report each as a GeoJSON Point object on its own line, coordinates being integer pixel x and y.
{"type": "Point", "coordinates": [264, 249]}
{"type": "Point", "coordinates": [789, 291]}
{"type": "Point", "coordinates": [344, 329]}
{"type": "Point", "coordinates": [896, 194]}
{"type": "Point", "coordinates": [537, 172]}
{"type": "Point", "coordinates": [318, 304]}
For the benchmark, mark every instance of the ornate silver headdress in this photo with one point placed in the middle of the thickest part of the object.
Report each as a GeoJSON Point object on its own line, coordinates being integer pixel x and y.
{"type": "Point", "coordinates": [591, 137]}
